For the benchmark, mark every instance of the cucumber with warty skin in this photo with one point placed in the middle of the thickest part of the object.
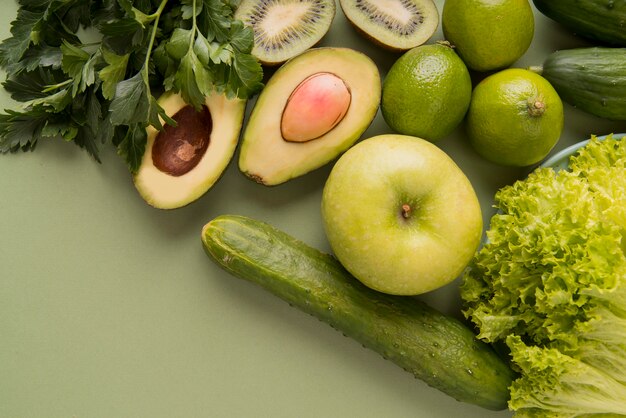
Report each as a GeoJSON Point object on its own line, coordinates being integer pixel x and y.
{"type": "Point", "coordinates": [436, 348]}
{"type": "Point", "coordinates": [598, 20]}
{"type": "Point", "coordinates": [591, 79]}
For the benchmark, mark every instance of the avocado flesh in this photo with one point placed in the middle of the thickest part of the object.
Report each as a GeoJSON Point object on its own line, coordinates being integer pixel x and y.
{"type": "Point", "coordinates": [167, 191]}
{"type": "Point", "coordinates": [269, 159]}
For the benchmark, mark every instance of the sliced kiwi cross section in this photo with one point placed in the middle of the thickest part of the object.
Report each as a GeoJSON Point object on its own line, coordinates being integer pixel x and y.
{"type": "Point", "coordinates": [394, 24]}
{"type": "Point", "coordinates": [285, 28]}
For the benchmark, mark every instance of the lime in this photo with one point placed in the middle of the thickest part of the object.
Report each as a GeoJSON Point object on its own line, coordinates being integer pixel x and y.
{"type": "Point", "coordinates": [515, 117]}
{"type": "Point", "coordinates": [488, 34]}
{"type": "Point", "coordinates": [426, 92]}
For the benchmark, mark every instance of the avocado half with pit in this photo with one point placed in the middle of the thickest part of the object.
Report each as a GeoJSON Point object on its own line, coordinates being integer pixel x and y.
{"type": "Point", "coordinates": [314, 107]}
{"type": "Point", "coordinates": [182, 162]}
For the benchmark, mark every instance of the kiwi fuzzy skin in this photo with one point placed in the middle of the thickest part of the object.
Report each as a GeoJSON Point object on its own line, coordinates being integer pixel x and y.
{"type": "Point", "coordinates": [373, 40]}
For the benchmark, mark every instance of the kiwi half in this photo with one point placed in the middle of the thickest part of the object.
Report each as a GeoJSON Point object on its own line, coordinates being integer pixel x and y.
{"type": "Point", "coordinates": [394, 24]}
{"type": "Point", "coordinates": [285, 28]}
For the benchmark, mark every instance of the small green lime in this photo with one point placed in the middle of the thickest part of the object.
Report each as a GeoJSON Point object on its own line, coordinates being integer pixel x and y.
{"type": "Point", "coordinates": [426, 92]}
{"type": "Point", "coordinates": [515, 118]}
{"type": "Point", "coordinates": [488, 34]}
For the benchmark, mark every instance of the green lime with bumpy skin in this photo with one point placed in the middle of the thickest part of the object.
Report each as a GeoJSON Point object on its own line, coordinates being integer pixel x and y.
{"type": "Point", "coordinates": [515, 118]}
{"type": "Point", "coordinates": [426, 92]}
{"type": "Point", "coordinates": [488, 34]}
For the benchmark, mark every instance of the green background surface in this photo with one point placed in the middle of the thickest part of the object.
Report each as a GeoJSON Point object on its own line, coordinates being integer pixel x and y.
{"type": "Point", "coordinates": [110, 308]}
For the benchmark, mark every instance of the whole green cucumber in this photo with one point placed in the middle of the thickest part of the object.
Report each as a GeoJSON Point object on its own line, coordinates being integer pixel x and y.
{"type": "Point", "coordinates": [591, 79]}
{"type": "Point", "coordinates": [436, 348]}
{"type": "Point", "coordinates": [598, 20]}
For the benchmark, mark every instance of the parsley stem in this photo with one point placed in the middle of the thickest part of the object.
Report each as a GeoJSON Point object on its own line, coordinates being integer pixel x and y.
{"type": "Point", "coordinates": [194, 26]}
{"type": "Point", "coordinates": [158, 12]}
{"type": "Point", "coordinates": [51, 87]}
{"type": "Point", "coordinates": [155, 27]}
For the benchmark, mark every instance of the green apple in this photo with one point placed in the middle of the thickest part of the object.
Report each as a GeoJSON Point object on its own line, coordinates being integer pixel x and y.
{"type": "Point", "coordinates": [400, 215]}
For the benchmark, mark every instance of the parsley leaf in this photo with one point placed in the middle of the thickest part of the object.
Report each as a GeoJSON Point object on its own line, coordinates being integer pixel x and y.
{"type": "Point", "coordinates": [79, 65]}
{"type": "Point", "coordinates": [133, 144]}
{"type": "Point", "coordinates": [122, 35]}
{"type": "Point", "coordinates": [113, 73]}
{"type": "Point", "coordinates": [244, 77]}
{"type": "Point", "coordinates": [131, 103]}
{"type": "Point", "coordinates": [12, 49]}
{"type": "Point", "coordinates": [41, 55]}
{"type": "Point", "coordinates": [21, 131]}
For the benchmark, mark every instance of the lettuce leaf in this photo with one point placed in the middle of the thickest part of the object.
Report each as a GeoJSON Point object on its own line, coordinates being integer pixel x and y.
{"type": "Point", "coordinates": [551, 283]}
{"type": "Point", "coordinates": [556, 385]}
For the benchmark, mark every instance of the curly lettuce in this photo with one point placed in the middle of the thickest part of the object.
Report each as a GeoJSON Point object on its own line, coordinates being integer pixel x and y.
{"type": "Point", "coordinates": [550, 283]}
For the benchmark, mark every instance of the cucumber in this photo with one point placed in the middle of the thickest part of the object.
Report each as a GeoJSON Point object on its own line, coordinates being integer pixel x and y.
{"type": "Point", "coordinates": [598, 20]}
{"type": "Point", "coordinates": [591, 79]}
{"type": "Point", "coordinates": [434, 347]}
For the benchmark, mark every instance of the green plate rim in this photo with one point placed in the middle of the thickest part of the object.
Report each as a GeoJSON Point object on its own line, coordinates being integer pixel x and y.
{"type": "Point", "coordinates": [560, 160]}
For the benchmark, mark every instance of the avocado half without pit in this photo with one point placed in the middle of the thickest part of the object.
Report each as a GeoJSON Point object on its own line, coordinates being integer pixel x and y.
{"type": "Point", "coordinates": [314, 107]}
{"type": "Point", "coordinates": [182, 162]}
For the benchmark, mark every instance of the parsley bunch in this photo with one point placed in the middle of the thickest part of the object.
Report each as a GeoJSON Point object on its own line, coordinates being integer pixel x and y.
{"type": "Point", "coordinates": [88, 71]}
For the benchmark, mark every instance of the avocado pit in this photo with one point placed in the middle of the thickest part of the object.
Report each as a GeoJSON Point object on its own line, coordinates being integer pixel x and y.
{"type": "Point", "coordinates": [178, 149]}
{"type": "Point", "coordinates": [315, 107]}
